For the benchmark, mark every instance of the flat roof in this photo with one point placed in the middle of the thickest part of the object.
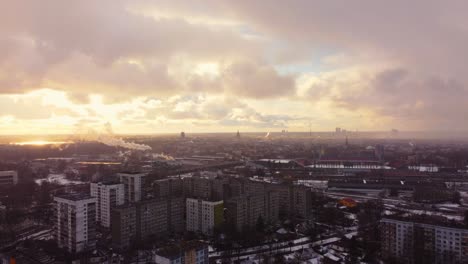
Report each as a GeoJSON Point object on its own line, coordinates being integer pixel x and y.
{"type": "Point", "coordinates": [108, 183]}
{"type": "Point", "coordinates": [131, 172]}
{"type": "Point", "coordinates": [74, 196]}
{"type": "Point", "coordinates": [432, 220]}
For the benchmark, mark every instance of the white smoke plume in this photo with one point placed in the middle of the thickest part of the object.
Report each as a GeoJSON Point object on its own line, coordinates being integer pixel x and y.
{"type": "Point", "coordinates": [267, 135]}
{"type": "Point", "coordinates": [107, 137]}
{"type": "Point", "coordinates": [162, 156]}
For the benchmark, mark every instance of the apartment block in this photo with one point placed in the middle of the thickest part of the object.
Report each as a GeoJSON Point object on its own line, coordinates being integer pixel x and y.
{"type": "Point", "coordinates": [75, 222]}
{"type": "Point", "coordinates": [8, 178]}
{"type": "Point", "coordinates": [152, 219]}
{"type": "Point", "coordinates": [294, 200]}
{"type": "Point", "coordinates": [133, 185]}
{"type": "Point", "coordinates": [148, 219]}
{"type": "Point", "coordinates": [124, 226]}
{"type": "Point", "coordinates": [168, 187]}
{"type": "Point", "coordinates": [176, 214]}
{"type": "Point", "coordinates": [245, 211]}
{"type": "Point", "coordinates": [423, 240]}
{"type": "Point", "coordinates": [203, 216]}
{"type": "Point", "coordinates": [108, 196]}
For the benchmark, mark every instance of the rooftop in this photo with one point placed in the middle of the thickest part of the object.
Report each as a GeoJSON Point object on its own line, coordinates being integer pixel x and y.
{"type": "Point", "coordinates": [108, 183]}
{"type": "Point", "coordinates": [427, 219]}
{"type": "Point", "coordinates": [74, 196]}
{"type": "Point", "coordinates": [132, 173]}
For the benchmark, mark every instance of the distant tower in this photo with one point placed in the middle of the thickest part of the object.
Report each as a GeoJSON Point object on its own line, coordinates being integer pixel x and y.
{"type": "Point", "coordinates": [238, 134]}
{"type": "Point", "coordinates": [182, 134]}
{"type": "Point", "coordinates": [346, 142]}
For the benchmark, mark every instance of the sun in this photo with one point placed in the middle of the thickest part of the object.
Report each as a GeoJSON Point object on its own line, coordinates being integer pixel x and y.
{"type": "Point", "coordinates": [40, 143]}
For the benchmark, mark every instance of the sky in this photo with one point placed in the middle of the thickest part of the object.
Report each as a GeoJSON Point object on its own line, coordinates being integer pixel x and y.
{"type": "Point", "coordinates": [167, 66]}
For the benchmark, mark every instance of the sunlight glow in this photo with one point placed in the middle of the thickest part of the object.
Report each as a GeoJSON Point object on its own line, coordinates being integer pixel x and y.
{"type": "Point", "coordinates": [41, 143]}
{"type": "Point", "coordinates": [207, 69]}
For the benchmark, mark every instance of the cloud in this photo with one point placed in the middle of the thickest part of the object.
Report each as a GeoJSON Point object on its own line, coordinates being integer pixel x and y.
{"type": "Point", "coordinates": [103, 47]}
{"type": "Point", "coordinates": [409, 99]}
{"type": "Point", "coordinates": [150, 63]}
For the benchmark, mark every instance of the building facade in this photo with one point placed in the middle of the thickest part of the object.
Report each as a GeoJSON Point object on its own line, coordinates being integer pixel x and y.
{"type": "Point", "coordinates": [245, 211]}
{"type": "Point", "coordinates": [176, 214]}
{"type": "Point", "coordinates": [75, 222]}
{"type": "Point", "coordinates": [418, 242]}
{"type": "Point", "coordinates": [203, 216]}
{"type": "Point", "coordinates": [168, 187]}
{"type": "Point", "coordinates": [133, 185]}
{"type": "Point", "coordinates": [108, 196]}
{"type": "Point", "coordinates": [294, 200]}
{"type": "Point", "coordinates": [8, 178]}
{"type": "Point", "coordinates": [145, 220]}
{"type": "Point", "coordinates": [124, 226]}
{"type": "Point", "coordinates": [152, 219]}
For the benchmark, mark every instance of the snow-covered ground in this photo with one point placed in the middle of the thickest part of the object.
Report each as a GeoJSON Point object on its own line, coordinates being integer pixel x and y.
{"type": "Point", "coordinates": [280, 247]}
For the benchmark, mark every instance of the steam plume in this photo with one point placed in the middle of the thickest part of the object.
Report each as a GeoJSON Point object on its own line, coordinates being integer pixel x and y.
{"type": "Point", "coordinates": [108, 138]}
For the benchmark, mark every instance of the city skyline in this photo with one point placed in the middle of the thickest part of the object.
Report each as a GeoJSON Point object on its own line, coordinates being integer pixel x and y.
{"type": "Point", "coordinates": [220, 66]}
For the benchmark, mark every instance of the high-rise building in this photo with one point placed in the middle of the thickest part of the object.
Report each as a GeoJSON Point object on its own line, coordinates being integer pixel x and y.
{"type": "Point", "coordinates": [255, 209]}
{"type": "Point", "coordinates": [8, 178]}
{"type": "Point", "coordinates": [191, 252]}
{"type": "Point", "coordinates": [271, 207]}
{"type": "Point", "coordinates": [237, 208]}
{"type": "Point", "coordinates": [294, 201]}
{"type": "Point", "coordinates": [423, 240]}
{"type": "Point", "coordinates": [302, 202]}
{"type": "Point", "coordinates": [75, 222]}
{"type": "Point", "coordinates": [203, 216]}
{"type": "Point", "coordinates": [133, 185]}
{"type": "Point", "coordinates": [254, 187]}
{"type": "Point", "coordinates": [108, 196]}
{"type": "Point", "coordinates": [175, 214]}
{"type": "Point", "coordinates": [124, 226]}
{"type": "Point", "coordinates": [152, 219]}
{"type": "Point", "coordinates": [235, 188]}
{"type": "Point", "coordinates": [168, 187]}
{"type": "Point", "coordinates": [202, 188]}
{"type": "Point", "coordinates": [245, 211]}
{"type": "Point", "coordinates": [148, 219]}
{"type": "Point", "coordinates": [196, 187]}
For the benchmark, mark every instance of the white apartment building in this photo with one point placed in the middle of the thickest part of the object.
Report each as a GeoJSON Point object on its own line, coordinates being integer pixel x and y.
{"type": "Point", "coordinates": [440, 244]}
{"type": "Point", "coordinates": [203, 216]}
{"type": "Point", "coordinates": [8, 178]}
{"type": "Point", "coordinates": [108, 196]}
{"type": "Point", "coordinates": [75, 223]}
{"type": "Point", "coordinates": [133, 183]}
